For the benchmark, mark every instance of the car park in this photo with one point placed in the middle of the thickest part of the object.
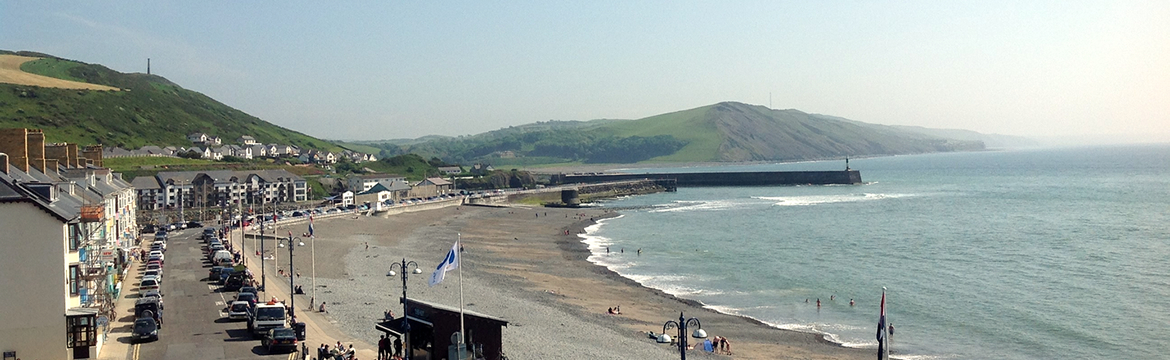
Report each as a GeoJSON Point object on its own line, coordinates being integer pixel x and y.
{"type": "Point", "coordinates": [280, 339]}
{"type": "Point", "coordinates": [239, 310]}
{"type": "Point", "coordinates": [145, 329]}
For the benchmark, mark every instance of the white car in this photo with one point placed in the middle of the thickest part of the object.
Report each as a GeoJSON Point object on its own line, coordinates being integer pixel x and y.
{"type": "Point", "coordinates": [148, 284]}
{"type": "Point", "coordinates": [159, 254]}
{"type": "Point", "coordinates": [239, 310]}
{"type": "Point", "coordinates": [160, 243]}
{"type": "Point", "coordinates": [157, 273]}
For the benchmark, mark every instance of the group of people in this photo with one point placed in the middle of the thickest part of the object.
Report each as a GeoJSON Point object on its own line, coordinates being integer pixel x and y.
{"type": "Point", "coordinates": [388, 350]}
{"type": "Point", "coordinates": [339, 352]}
{"type": "Point", "coordinates": [831, 298]}
{"type": "Point", "coordinates": [616, 310]}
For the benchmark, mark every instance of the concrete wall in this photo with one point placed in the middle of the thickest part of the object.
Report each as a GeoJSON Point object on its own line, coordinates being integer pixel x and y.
{"type": "Point", "coordinates": [761, 178]}
{"type": "Point", "coordinates": [33, 320]}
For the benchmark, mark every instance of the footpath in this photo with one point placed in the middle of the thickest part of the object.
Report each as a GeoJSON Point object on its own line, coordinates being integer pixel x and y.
{"type": "Point", "coordinates": [117, 345]}
{"type": "Point", "coordinates": [318, 327]}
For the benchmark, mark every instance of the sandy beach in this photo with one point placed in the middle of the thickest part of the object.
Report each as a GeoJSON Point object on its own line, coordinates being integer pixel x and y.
{"type": "Point", "coordinates": [521, 267]}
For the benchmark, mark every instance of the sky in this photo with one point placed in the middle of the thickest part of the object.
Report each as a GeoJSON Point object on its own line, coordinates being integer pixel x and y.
{"type": "Point", "coordinates": [370, 70]}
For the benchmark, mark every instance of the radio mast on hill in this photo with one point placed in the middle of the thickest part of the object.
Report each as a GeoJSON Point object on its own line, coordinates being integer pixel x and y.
{"type": "Point", "coordinates": [147, 66]}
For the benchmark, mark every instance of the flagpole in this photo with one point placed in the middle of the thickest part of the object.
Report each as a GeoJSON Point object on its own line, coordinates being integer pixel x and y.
{"type": "Point", "coordinates": [313, 296]}
{"type": "Point", "coordinates": [459, 256]}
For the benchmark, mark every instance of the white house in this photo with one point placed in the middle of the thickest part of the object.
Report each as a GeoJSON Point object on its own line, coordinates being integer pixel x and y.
{"type": "Point", "coordinates": [246, 140]}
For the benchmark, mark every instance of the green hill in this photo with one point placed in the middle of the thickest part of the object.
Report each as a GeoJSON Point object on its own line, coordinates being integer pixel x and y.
{"type": "Point", "coordinates": [727, 131]}
{"type": "Point", "coordinates": [150, 110]}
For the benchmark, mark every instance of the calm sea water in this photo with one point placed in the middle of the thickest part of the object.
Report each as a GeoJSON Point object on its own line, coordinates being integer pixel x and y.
{"type": "Point", "coordinates": [1026, 254]}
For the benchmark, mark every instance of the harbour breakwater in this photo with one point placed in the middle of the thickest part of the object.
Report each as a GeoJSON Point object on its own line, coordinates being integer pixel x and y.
{"type": "Point", "coordinates": [755, 178]}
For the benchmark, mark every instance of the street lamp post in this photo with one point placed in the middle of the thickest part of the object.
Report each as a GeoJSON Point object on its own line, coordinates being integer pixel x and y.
{"type": "Point", "coordinates": [682, 325]}
{"type": "Point", "coordinates": [403, 268]}
{"type": "Point", "coordinates": [292, 288]}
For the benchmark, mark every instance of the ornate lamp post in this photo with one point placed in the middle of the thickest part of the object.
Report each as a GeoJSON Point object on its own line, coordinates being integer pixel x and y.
{"type": "Point", "coordinates": [292, 299]}
{"type": "Point", "coordinates": [682, 325]}
{"type": "Point", "coordinates": [403, 268]}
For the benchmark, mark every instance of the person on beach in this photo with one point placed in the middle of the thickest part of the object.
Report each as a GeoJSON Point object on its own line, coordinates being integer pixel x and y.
{"type": "Point", "coordinates": [725, 346]}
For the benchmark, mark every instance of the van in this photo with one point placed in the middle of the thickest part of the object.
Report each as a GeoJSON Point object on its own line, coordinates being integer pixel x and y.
{"type": "Point", "coordinates": [222, 257]}
{"type": "Point", "coordinates": [267, 316]}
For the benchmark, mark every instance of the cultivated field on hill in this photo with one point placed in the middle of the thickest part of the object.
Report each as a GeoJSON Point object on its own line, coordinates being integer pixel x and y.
{"type": "Point", "coordinates": [10, 73]}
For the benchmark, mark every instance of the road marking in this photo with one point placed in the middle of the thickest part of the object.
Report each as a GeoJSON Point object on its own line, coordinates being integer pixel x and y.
{"type": "Point", "coordinates": [219, 303]}
{"type": "Point", "coordinates": [292, 356]}
{"type": "Point", "coordinates": [134, 352]}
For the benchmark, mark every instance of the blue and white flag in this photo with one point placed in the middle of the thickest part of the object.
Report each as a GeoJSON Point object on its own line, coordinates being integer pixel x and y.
{"type": "Point", "coordinates": [881, 330]}
{"type": "Point", "coordinates": [451, 262]}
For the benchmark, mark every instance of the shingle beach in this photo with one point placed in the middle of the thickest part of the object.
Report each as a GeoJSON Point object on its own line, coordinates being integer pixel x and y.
{"type": "Point", "coordinates": [519, 265]}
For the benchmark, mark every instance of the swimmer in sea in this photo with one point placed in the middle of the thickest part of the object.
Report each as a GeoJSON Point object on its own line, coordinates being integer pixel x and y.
{"type": "Point", "coordinates": [850, 302]}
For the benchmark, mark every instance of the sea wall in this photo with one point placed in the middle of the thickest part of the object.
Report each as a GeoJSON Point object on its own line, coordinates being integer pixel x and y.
{"type": "Point", "coordinates": [757, 178]}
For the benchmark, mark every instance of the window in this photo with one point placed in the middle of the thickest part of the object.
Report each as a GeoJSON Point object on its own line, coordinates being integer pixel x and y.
{"type": "Point", "coordinates": [74, 279]}
{"type": "Point", "coordinates": [82, 331]}
{"type": "Point", "coordinates": [74, 234]}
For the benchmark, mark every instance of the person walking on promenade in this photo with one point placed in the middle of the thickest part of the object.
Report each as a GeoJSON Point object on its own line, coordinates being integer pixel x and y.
{"type": "Point", "coordinates": [383, 352]}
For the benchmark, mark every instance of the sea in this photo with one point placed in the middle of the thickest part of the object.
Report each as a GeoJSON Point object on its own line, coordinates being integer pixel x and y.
{"type": "Point", "coordinates": [1011, 254]}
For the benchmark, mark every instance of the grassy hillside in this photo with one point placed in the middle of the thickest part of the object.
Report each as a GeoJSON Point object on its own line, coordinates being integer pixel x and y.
{"type": "Point", "coordinates": [726, 131]}
{"type": "Point", "coordinates": [150, 110]}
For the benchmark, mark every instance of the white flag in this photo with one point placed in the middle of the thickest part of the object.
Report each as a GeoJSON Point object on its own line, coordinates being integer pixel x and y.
{"type": "Point", "coordinates": [449, 263]}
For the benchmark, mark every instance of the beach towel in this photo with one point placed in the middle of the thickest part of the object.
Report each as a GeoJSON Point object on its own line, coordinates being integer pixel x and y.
{"type": "Point", "coordinates": [707, 345]}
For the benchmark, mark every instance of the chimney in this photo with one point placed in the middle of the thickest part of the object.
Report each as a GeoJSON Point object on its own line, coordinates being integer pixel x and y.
{"type": "Point", "coordinates": [93, 153]}
{"type": "Point", "coordinates": [14, 142]}
{"type": "Point", "coordinates": [36, 149]}
{"type": "Point", "coordinates": [73, 155]}
{"type": "Point", "coordinates": [51, 164]}
{"type": "Point", "coordinates": [59, 152]}
{"type": "Point", "coordinates": [4, 163]}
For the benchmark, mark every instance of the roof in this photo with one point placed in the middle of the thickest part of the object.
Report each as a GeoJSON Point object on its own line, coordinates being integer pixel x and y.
{"type": "Point", "coordinates": [456, 310]}
{"type": "Point", "coordinates": [398, 185]}
{"type": "Point", "coordinates": [438, 181]}
{"type": "Point", "coordinates": [377, 188]}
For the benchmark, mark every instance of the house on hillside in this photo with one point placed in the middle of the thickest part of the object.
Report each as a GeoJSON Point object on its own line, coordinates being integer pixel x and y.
{"type": "Point", "coordinates": [450, 170]}
{"type": "Point", "coordinates": [246, 140]}
{"type": "Point", "coordinates": [198, 138]}
{"type": "Point", "coordinates": [481, 169]}
{"type": "Point", "coordinates": [259, 151]}
{"type": "Point", "coordinates": [360, 183]}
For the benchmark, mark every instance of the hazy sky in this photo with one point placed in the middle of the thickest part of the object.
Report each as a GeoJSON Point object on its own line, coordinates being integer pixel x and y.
{"type": "Point", "coordinates": [391, 69]}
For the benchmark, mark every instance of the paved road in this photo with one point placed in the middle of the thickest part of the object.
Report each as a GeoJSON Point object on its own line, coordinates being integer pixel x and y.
{"type": "Point", "coordinates": [194, 324]}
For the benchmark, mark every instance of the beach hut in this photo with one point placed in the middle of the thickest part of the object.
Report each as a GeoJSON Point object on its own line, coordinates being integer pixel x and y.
{"type": "Point", "coordinates": [432, 326]}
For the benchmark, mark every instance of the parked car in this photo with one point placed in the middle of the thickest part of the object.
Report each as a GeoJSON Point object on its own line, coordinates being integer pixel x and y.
{"type": "Point", "coordinates": [153, 265]}
{"type": "Point", "coordinates": [145, 329]}
{"type": "Point", "coordinates": [194, 225]}
{"type": "Point", "coordinates": [250, 289]}
{"type": "Point", "coordinates": [239, 310]}
{"type": "Point", "coordinates": [159, 254]}
{"type": "Point", "coordinates": [155, 294]}
{"type": "Point", "coordinates": [281, 338]}
{"type": "Point", "coordinates": [214, 272]}
{"type": "Point", "coordinates": [148, 285]}
{"type": "Point", "coordinates": [157, 273]}
{"type": "Point", "coordinates": [248, 298]}
{"type": "Point", "coordinates": [224, 273]}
